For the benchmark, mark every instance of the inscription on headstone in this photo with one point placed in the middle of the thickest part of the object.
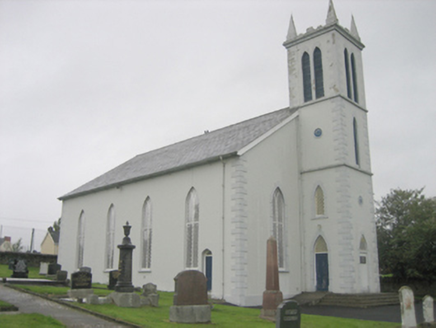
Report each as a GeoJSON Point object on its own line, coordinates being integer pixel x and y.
{"type": "Point", "coordinates": [288, 315]}
{"type": "Point", "coordinates": [81, 280]}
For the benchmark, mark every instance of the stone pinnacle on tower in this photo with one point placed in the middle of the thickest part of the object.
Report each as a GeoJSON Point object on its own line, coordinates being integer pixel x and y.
{"type": "Point", "coordinates": [292, 32]}
{"type": "Point", "coordinates": [331, 15]}
{"type": "Point", "coordinates": [353, 29]}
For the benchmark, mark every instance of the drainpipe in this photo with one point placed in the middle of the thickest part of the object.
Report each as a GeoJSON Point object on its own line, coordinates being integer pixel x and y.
{"type": "Point", "coordinates": [223, 209]}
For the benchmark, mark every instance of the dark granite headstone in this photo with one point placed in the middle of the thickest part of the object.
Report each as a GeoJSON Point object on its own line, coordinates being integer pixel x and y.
{"type": "Point", "coordinates": [288, 315]}
{"type": "Point", "coordinates": [20, 270]}
{"type": "Point", "coordinates": [61, 275]}
{"type": "Point", "coordinates": [85, 269]}
{"type": "Point", "coordinates": [81, 280]}
{"type": "Point", "coordinates": [53, 268]}
{"type": "Point", "coordinates": [113, 279]}
{"type": "Point", "coordinates": [190, 288]}
{"type": "Point", "coordinates": [11, 264]}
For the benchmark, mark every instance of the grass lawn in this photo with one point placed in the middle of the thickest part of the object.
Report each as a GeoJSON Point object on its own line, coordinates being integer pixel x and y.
{"type": "Point", "coordinates": [33, 272]}
{"type": "Point", "coordinates": [33, 320]}
{"type": "Point", "coordinates": [223, 316]}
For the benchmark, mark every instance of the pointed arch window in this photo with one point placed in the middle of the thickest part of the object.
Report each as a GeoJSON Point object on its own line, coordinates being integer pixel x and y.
{"type": "Point", "coordinates": [80, 240]}
{"type": "Point", "coordinates": [353, 71]}
{"type": "Point", "coordinates": [307, 84]}
{"type": "Point", "coordinates": [363, 250]}
{"type": "Point", "coordinates": [319, 79]}
{"type": "Point", "coordinates": [146, 228]}
{"type": "Point", "coordinates": [192, 215]}
{"type": "Point", "coordinates": [356, 142]}
{"type": "Point", "coordinates": [110, 238]}
{"type": "Point", "coordinates": [278, 226]}
{"type": "Point", "coordinates": [319, 201]}
{"type": "Point", "coordinates": [347, 74]}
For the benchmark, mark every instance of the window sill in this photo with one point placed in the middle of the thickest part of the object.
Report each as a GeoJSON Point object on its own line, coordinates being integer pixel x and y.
{"type": "Point", "coordinates": [109, 270]}
{"type": "Point", "coordinates": [144, 271]}
{"type": "Point", "coordinates": [283, 271]}
{"type": "Point", "coordinates": [320, 217]}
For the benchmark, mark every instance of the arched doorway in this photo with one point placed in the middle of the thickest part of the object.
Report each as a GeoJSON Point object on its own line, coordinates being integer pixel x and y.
{"type": "Point", "coordinates": [364, 285]}
{"type": "Point", "coordinates": [207, 268]}
{"type": "Point", "coordinates": [321, 265]}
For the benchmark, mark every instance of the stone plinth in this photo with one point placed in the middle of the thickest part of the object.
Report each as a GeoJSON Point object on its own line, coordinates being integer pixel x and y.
{"type": "Point", "coordinates": [80, 294]}
{"type": "Point", "coordinates": [126, 299]}
{"type": "Point", "coordinates": [190, 313]}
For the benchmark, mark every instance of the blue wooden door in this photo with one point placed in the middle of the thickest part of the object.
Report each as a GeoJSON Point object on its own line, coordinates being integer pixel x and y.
{"type": "Point", "coordinates": [209, 271]}
{"type": "Point", "coordinates": [322, 272]}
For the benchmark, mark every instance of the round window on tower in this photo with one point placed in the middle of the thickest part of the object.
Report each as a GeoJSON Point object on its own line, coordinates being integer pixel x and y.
{"type": "Point", "coordinates": [317, 132]}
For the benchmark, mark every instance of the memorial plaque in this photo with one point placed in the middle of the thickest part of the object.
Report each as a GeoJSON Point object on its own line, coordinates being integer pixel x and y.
{"type": "Point", "coordinates": [81, 280]}
{"type": "Point", "coordinates": [288, 315]}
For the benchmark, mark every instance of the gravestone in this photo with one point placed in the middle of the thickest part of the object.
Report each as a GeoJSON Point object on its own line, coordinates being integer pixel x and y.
{"type": "Point", "coordinates": [61, 275]}
{"type": "Point", "coordinates": [20, 270]}
{"type": "Point", "coordinates": [11, 264]}
{"type": "Point", "coordinates": [124, 295]}
{"type": "Point", "coordinates": [427, 308]}
{"type": "Point", "coordinates": [288, 315]}
{"type": "Point", "coordinates": [113, 279]}
{"type": "Point", "coordinates": [43, 268]}
{"type": "Point", "coordinates": [190, 298]}
{"type": "Point", "coordinates": [85, 269]}
{"type": "Point", "coordinates": [53, 268]}
{"type": "Point", "coordinates": [81, 280]}
{"type": "Point", "coordinates": [272, 296]}
{"type": "Point", "coordinates": [81, 285]}
{"type": "Point", "coordinates": [407, 304]}
{"type": "Point", "coordinates": [150, 295]}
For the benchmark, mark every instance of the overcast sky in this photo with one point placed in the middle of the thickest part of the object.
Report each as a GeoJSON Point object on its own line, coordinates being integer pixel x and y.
{"type": "Point", "coordinates": [86, 85]}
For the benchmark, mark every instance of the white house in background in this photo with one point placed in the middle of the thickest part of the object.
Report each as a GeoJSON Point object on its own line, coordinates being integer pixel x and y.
{"type": "Point", "coordinates": [301, 173]}
{"type": "Point", "coordinates": [50, 243]}
{"type": "Point", "coordinates": [5, 244]}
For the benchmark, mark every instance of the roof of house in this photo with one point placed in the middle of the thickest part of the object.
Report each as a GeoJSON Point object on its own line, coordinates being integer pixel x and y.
{"type": "Point", "coordinates": [208, 147]}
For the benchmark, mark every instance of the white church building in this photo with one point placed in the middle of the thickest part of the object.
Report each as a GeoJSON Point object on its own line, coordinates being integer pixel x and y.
{"type": "Point", "coordinates": [210, 203]}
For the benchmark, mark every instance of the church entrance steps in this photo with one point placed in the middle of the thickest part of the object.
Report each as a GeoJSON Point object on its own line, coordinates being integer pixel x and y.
{"type": "Point", "coordinates": [360, 300]}
{"type": "Point", "coordinates": [347, 300]}
{"type": "Point", "coordinates": [309, 298]}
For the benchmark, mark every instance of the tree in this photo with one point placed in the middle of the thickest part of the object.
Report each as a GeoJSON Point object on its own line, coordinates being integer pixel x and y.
{"type": "Point", "coordinates": [17, 247]}
{"type": "Point", "coordinates": [56, 226]}
{"type": "Point", "coordinates": [406, 234]}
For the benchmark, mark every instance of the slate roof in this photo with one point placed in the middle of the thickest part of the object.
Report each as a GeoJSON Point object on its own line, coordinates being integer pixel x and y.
{"type": "Point", "coordinates": [201, 149]}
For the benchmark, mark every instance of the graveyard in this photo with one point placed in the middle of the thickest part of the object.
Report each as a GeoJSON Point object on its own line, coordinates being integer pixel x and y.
{"type": "Point", "coordinates": [146, 306]}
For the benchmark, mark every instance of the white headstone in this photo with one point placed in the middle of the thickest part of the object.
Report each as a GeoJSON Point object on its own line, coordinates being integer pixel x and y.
{"type": "Point", "coordinates": [427, 308]}
{"type": "Point", "coordinates": [43, 268]}
{"type": "Point", "coordinates": [407, 304]}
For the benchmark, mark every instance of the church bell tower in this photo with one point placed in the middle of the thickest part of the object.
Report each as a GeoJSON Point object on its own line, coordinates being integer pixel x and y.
{"type": "Point", "coordinates": [326, 85]}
